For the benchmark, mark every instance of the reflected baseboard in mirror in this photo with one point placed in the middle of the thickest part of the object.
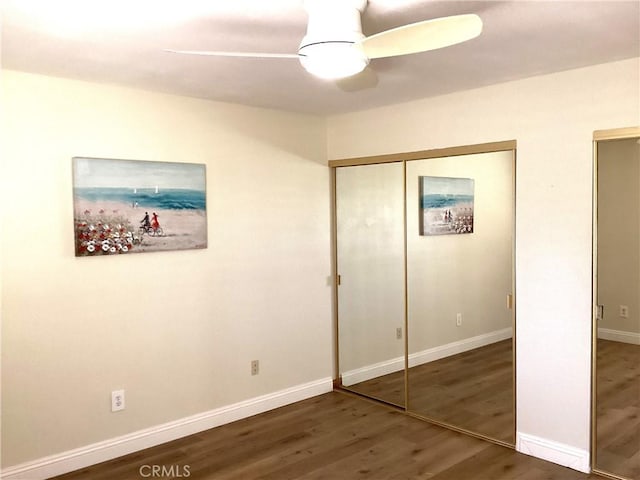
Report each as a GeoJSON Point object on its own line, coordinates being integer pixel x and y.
{"type": "Point", "coordinates": [618, 408]}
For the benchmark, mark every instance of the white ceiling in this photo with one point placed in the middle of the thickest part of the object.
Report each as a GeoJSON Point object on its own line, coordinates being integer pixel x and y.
{"type": "Point", "coordinates": [122, 42]}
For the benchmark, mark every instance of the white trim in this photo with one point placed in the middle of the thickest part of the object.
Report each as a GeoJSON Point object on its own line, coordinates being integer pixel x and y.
{"type": "Point", "coordinates": [619, 336]}
{"type": "Point", "coordinates": [372, 371]}
{"type": "Point", "coordinates": [554, 452]}
{"type": "Point", "coordinates": [116, 447]}
{"type": "Point", "coordinates": [460, 346]}
{"type": "Point", "coordinates": [393, 365]}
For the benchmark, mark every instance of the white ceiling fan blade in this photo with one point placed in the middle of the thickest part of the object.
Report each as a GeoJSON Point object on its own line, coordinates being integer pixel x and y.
{"type": "Point", "coordinates": [422, 36]}
{"type": "Point", "coordinates": [234, 54]}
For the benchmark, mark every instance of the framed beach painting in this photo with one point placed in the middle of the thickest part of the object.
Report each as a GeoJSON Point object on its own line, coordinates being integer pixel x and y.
{"type": "Point", "coordinates": [446, 205]}
{"type": "Point", "coordinates": [133, 206]}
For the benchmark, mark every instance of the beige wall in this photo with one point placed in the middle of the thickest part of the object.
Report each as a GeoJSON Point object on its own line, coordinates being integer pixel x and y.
{"type": "Point", "coordinates": [177, 330]}
{"type": "Point", "coordinates": [553, 118]}
{"type": "Point", "coordinates": [619, 233]}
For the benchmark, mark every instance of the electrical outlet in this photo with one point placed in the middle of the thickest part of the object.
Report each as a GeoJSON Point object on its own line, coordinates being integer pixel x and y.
{"type": "Point", "coordinates": [399, 333]}
{"type": "Point", "coordinates": [255, 367]}
{"type": "Point", "coordinates": [458, 319]}
{"type": "Point", "coordinates": [117, 400]}
{"type": "Point", "coordinates": [624, 311]}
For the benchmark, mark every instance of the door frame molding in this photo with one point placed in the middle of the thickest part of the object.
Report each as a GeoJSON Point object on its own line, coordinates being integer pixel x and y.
{"type": "Point", "coordinates": [424, 154]}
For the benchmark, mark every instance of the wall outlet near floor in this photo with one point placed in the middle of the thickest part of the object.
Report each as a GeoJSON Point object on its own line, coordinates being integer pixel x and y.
{"type": "Point", "coordinates": [624, 311]}
{"type": "Point", "coordinates": [458, 319]}
{"type": "Point", "coordinates": [117, 400]}
{"type": "Point", "coordinates": [255, 367]}
{"type": "Point", "coordinates": [399, 333]}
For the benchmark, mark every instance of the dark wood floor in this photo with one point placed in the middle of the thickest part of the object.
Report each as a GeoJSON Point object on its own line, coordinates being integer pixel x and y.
{"type": "Point", "coordinates": [618, 408]}
{"type": "Point", "coordinates": [334, 436]}
{"type": "Point", "coordinates": [471, 390]}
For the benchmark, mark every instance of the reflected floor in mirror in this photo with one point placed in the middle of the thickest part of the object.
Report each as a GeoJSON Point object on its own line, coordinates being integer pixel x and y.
{"type": "Point", "coordinates": [618, 408]}
{"type": "Point", "coordinates": [386, 388]}
{"type": "Point", "coordinates": [471, 390]}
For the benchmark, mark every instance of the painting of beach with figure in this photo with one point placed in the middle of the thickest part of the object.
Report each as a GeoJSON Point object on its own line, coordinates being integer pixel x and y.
{"type": "Point", "coordinates": [446, 205]}
{"type": "Point", "coordinates": [133, 206]}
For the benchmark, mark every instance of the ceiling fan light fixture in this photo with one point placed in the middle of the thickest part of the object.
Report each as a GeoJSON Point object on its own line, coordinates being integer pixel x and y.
{"type": "Point", "coordinates": [331, 48]}
{"type": "Point", "coordinates": [333, 60]}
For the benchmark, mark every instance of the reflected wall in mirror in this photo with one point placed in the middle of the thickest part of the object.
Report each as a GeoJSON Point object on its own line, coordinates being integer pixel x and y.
{"type": "Point", "coordinates": [617, 394]}
{"type": "Point", "coordinates": [459, 290]}
{"type": "Point", "coordinates": [370, 261]}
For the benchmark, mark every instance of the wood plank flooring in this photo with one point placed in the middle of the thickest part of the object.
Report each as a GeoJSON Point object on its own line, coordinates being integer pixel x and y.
{"type": "Point", "coordinates": [618, 408]}
{"type": "Point", "coordinates": [471, 390]}
{"type": "Point", "coordinates": [334, 436]}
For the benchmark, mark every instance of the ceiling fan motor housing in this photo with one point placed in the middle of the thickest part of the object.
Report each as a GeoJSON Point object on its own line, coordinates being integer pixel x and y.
{"type": "Point", "coordinates": [330, 49]}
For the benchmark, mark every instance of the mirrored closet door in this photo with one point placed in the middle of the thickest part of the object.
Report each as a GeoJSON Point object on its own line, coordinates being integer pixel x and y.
{"type": "Point", "coordinates": [425, 306]}
{"type": "Point", "coordinates": [370, 260]}
{"type": "Point", "coordinates": [616, 441]}
{"type": "Point", "coordinates": [460, 234]}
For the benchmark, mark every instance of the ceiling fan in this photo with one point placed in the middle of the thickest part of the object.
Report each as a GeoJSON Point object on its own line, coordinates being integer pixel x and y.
{"type": "Point", "coordinates": [335, 47]}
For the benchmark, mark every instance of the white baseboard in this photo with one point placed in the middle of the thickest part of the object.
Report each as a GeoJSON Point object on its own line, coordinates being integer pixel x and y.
{"type": "Point", "coordinates": [619, 336]}
{"type": "Point", "coordinates": [372, 371]}
{"type": "Point", "coordinates": [554, 452]}
{"type": "Point", "coordinates": [116, 447]}
{"type": "Point", "coordinates": [460, 346]}
{"type": "Point", "coordinates": [375, 370]}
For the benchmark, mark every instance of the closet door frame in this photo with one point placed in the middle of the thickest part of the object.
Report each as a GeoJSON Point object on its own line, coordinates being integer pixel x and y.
{"type": "Point", "coordinates": [491, 147]}
{"type": "Point", "coordinates": [599, 136]}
